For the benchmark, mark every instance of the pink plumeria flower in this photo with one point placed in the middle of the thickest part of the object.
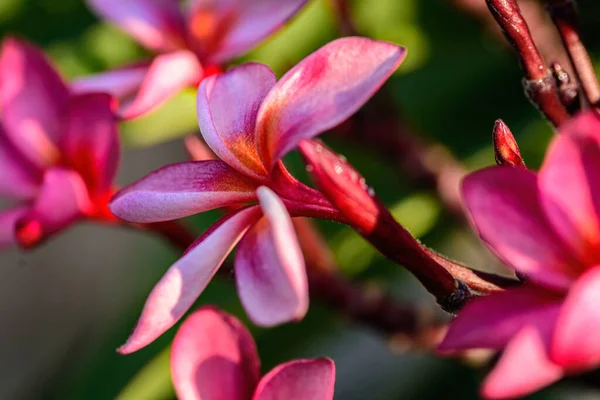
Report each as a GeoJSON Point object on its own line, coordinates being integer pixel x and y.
{"type": "Point", "coordinates": [58, 151]}
{"type": "Point", "coordinates": [547, 226]}
{"type": "Point", "coordinates": [250, 121]}
{"type": "Point", "coordinates": [214, 357]}
{"type": "Point", "coordinates": [194, 41]}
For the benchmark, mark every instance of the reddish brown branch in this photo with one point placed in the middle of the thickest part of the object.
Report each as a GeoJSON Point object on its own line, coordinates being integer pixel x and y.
{"type": "Point", "coordinates": [539, 84]}
{"type": "Point", "coordinates": [565, 17]}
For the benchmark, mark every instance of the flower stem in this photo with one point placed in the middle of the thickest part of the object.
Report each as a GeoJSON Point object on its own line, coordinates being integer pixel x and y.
{"type": "Point", "coordinates": [565, 17]}
{"type": "Point", "coordinates": [539, 83]}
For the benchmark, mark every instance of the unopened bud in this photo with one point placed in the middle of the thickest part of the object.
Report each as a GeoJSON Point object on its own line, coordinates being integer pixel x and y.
{"type": "Point", "coordinates": [506, 150]}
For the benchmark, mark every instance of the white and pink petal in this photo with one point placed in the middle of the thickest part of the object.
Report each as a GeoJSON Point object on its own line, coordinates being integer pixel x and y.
{"type": "Point", "coordinates": [270, 271]}
{"type": "Point", "coordinates": [185, 280]}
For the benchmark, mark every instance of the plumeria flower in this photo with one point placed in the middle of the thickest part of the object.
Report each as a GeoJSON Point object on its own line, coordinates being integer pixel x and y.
{"type": "Point", "coordinates": [547, 226]}
{"type": "Point", "coordinates": [194, 41]}
{"type": "Point", "coordinates": [214, 357]}
{"type": "Point", "coordinates": [250, 121]}
{"type": "Point", "coordinates": [58, 151]}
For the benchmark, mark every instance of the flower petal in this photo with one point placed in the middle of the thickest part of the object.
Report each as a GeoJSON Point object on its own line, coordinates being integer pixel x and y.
{"type": "Point", "coordinates": [118, 82]}
{"type": "Point", "coordinates": [227, 106]}
{"type": "Point", "coordinates": [214, 357]}
{"type": "Point", "coordinates": [177, 290]}
{"type": "Point", "coordinates": [157, 24]}
{"type": "Point", "coordinates": [91, 142]}
{"type": "Point", "coordinates": [8, 221]}
{"type": "Point", "coordinates": [231, 28]}
{"type": "Point", "coordinates": [575, 345]}
{"type": "Point", "coordinates": [32, 98]}
{"type": "Point", "coordinates": [569, 185]}
{"type": "Point", "coordinates": [490, 322]}
{"type": "Point", "coordinates": [323, 90]}
{"type": "Point", "coordinates": [505, 210]}
{"type": "Point", "coordinates": [298, 380]}
{"type": "Point", "coordinates": [63, 198]}
{"type": "Point", "coordinates": [523, 368]}
{"type": "Point", "coordinates": [18, 178]}
{"type": "Point", "coordinates": [167, 75]}
{"type": "Point", "coordinates": [270, 271]}
{"type": "Point", "coordinates": [182, 189]}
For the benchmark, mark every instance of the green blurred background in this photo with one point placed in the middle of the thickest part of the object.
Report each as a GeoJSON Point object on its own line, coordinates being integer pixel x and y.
{"type": "Point", "coordinates": [65, 308]}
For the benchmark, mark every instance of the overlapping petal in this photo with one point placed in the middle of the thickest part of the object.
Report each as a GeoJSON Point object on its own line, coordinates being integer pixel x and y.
{"type": "Point", "coordinates": [157, 24]}
{"type": "Point", "coordinates": [63, 198]}
{"type": "Point", "coordinates": [119, 82]}
{"type": "Point", "coordinates": [8, 220]}
{"type": "Point", "coordinates": [90, 141]}
{"type": "Point", "coordinates": [239, 25]}
{"type": "Point", "coordinates": [183, 189]}
{"type": "Point", "coordinates": [18, 178]}
{"type": "Point", "coordinates": [322, 91]}
{"type": "Point", "coordinates": [270, 271]}
{"type": "Point", "coordinates": [505, 208]}
{"type": "Point", "coordinates": [187, 278]}
{"type": "Point", "coordinates": [227, 107]}
{"type": "Point", "coordinates": [32, 99]}
{"type": "Point", "coordinates": [490, 322]}
{"type": "Point", "coordinates": [575, 344]}
{"type": "Point", "coordinates": [569, 183]}
{"type": "Point", "coordinates": [214, 357]}
{"type": "Point", "coordinates": [298, 380]}
{"type": "Point", "coordinates": [524, 366]}
{"type": "Point", "coordinates": [167, 75]}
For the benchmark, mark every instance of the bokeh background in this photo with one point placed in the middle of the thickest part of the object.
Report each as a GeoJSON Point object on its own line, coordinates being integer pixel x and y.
{"type": "Point", "coordinates": [66, 307]}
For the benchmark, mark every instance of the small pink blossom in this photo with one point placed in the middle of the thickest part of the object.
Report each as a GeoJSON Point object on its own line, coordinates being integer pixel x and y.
{"type": "Point", "coordinates": [194, 41]}
{"type": "Point", "coordinates": [250, 121]}
{"type": "Point", "coordinates": [547, 226]}
{"type": "Point", "coordinates": [214, 357]}
{"type": "Point", "coordinates": [58, 151]}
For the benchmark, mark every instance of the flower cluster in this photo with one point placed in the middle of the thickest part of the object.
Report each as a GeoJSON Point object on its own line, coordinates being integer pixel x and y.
{"type": "Point", "coordinates": [59, 154]}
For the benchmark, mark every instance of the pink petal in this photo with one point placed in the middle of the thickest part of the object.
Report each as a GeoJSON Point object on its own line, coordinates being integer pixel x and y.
{"type": "Point", "coordinates": [91, 142]}
{"type": "Point", "coordinates": [8, 220]}
{"type": "Point", "coordinates": [505, 209]}
{"type": "Point", "coordinates": [229, 28]}
{"type": "Point", "coordinates": [227, 106]}
{"type": "Point", "coordinates": [569, 185]}
{"type": "Point", "coordinates": [298, 380]}
{"type": "Point", "coordinates": [270, 272]}
{"type": "Point", "coordinates": [214, 357]}
{"type": "Point", "coordinates": [186, 279]}
{"type": "Point", "coordinates": [32, 99]}
{"type": "Point", "coordinates": [157, 24]}
{"type": "Point", "coordinates": [323, 90]}
{"type": "Point", "coordinates": [63, 198]}
{"type": "Point", "coordinates": [119, 82]}
{"type": "Point", "coordinates": [18, 178]}
{"type": "Point", "coordinates": [523, 368]}
{"type": "Point", "coordinates": [167, 75]}
{"type": "Point", "coordinates": [183, 189]}
{"type": "Point", "coordinates": [491, 321]}
{"type": "Point", "coordinates": [576, 346]}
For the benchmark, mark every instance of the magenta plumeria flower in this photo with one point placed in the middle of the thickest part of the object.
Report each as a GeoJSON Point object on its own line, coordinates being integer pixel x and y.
{"type": "Point", "coordinates": [214, 357]}
{"type": "Point", "coordinates": [250, 121]}
{"type": "Point", "coordinates": [547, 226]}
{"type": "Point", "coordinates": [58, 151]}
{"type": "Point", "coordinates": [194, 40]}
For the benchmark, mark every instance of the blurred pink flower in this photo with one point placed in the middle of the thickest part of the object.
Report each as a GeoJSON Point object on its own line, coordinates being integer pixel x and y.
{"type": "Point", "coordinates": [249, 121]}
{"type": "Point", "coordinates": [58, 151]}
{"type": "Point", "coordinates": [195, 40]}
{"type": "Point", "coordinates": [547, 226]}
{"type": "Point", "coordinates": [214, 357]}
